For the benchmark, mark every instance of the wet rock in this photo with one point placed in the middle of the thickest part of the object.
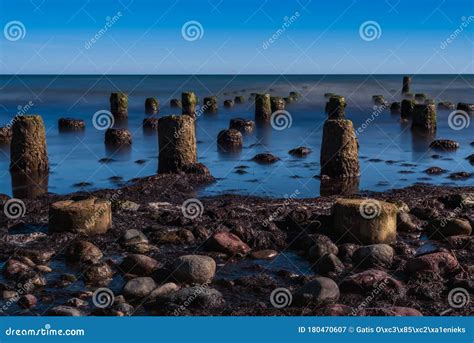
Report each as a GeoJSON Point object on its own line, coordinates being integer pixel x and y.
{"type": "Point", "coordinates": [177, 143]}
{"type": "Point", "coordinates": [227, 243]}
{"type": "Point", "coordinates": [192, 297]}
{"type": "Point", "coordinates": [119, 106]}
{"type": "Point", "coordinates": [76, 302]}
{"type": "Point", "coordinates": [196, 168]}
{"type": "Point", "coordinates": [228, 103]}
{"type": "Point", "coordinates": [446, 105]}
{"type": "Point", "coordinates": [14, 269]}
{"type": "Point", "coordinates": [239, 99]}
{"type": "Point", "coordinates": [210, 104]}
{"type": "Point", "coordinates": [138, 264]}
{"type": "Point", "coordinates": [444, 144]}
{"type": "Point", "coordinates": [189, 101]}
{"type": "Point", "coordinates": [300, 151]}
{"type": "Point", "coordinates": [420, 97]}
{"type": "Point", "coordinates": [438, 262]}
{"type": "Point", "coordinates": [318, 292]}
{"type": "Point", "coordinates": [460, 175]}
{"type": "Point", "coordinates": [277, 103]}
{"type": "Point", "coordinates": [266, 254]}
{"type": "Point", "coordinates": [84, 252]}
{"type": "Point", "coordinates": [435, 171]}
{"type": "Point", "coordinates": [458, 200]}
{"type": "Point", "coordinates": [322, 245]}
{"type": "Point", "coordinates": [395, 107]}
{"type": "Point", "coordinates": [242, 125]}
{"type": "Point", "coordinates": [150, 124]}
{"type": "Point", "coordinates": [89, 216]}
{"type": "Point", "coordinates": [71, 124]}
{"type": "Point", "coordinates": [173, 236]}
{"type": "Point", "coordinates": [406, 84]}
{"type": "Point", "coordinates": [329, 263]}
{"type": "Point", "coordinates": [465, 107]}
{"type": "Point", "coordinates": [133, 237]}
{"type": "Point", "coordinates": [370, 280]}
{"type": "Point", "coordinates": [406, 222]}
{"type": "Point", "coordinates": [445, 227]}
{"type": "Point", "coordinates": [339, 150]}
{"type": "Point", "coordinates": [194, 269]}
{"type": "Point", "coordinates": [28, 153]}
{"type": "Point", "coordinates": [374, 255]}
{"type": "Point", "coordinates": [118, 137]}
{"type": "Point", "coordinates": [378, 100]}
{"type": "Point", "coordinates": [229, 140]}
{"type": "Point", "coordinates": [43, 269]}
{"type": "Point", "coordinates": [152, 106]}
{"type": "Point", "coordinates": [27, 301]}
{"type": "Point", "coordinates": [138, 288]}
{"type": "Point", "coordinates": [5, 135]}
{"type": "Point", "coordinates": [175, 103]}
{"type": "Point", "coordinates": [407, 108]}
{"type": "Point", "coordinates": [65, 311]}
{"type": "Point", "coordinates": [370, 221]}
{"type": "Point", "coordinates": [424, 118]}
{"type": "Point", "coordinates": [263, 108]}
{"type": "Point", "coordinates": [265, 158]}
{"type": "Point", "coordinates": [163, 290]}
{"type": "Point", "coordinates": [99, 273]}
{"type": "Point", "coordinates": [335, 107]}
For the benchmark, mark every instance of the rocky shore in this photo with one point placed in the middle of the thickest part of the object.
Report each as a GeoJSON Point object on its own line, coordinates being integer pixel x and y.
{"type": "Point", "coordinates": [169, 252]}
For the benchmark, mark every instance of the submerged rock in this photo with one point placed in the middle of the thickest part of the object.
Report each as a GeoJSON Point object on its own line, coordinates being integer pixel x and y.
{"type": "Point", "coordinates": [71, 124]}
{"type": "Point", "coordinates": [118, 137]}
{"type": "Point", "coordinates": [445, 144]}
{"type": "Point", "coordinates": [229, 140]}
{"type": "Point", "coordinates": [265, 158]}
{"type": "Point", "coordinates": [243, 125]}
{"type": "Point", "coordinates": [152, 106]}
{"type": "Point", "coordinates": [5, 135]}
{"type": "Point", "coordinates": [300, 151]}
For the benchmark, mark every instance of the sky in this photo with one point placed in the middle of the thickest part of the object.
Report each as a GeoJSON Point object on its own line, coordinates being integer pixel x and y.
{"type": "Point", "coordinates": [237, 37]}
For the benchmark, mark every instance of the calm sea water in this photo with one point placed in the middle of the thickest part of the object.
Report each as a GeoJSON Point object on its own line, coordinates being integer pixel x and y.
{"type": "Point", "coordinates": [74, 158]}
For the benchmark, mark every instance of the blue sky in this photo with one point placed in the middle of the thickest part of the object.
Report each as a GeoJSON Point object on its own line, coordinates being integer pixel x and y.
{"type": "Point", "coordinates": [321, 37]}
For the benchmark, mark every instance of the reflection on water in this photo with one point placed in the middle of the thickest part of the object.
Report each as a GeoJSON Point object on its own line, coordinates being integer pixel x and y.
{"type": "Point", "coordinates": [29, 186]}
{"type": "Point", "coordinates": [346, 186]}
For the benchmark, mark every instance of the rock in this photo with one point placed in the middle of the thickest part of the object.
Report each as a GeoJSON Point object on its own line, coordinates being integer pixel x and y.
{"type": "Point", "coordinates": [300, 151]}
{"type": "Point", "coordinates": [197, 169]}
{"type": "Point", "coordinates": [88, 216]}
{"type": "Point", "coordinates": [435, 171]}
{"type": "Point", "coordinates": [175, 103]}
{"type": "Point", "coordinates": [406, 84]}
{"type": "Point", "coordinates": [99, 273]}
{"type": "Point", "coordinates": [374, 255]}
{"type": "Point", "coordinates": [163, 290]}
{"type": "Point", "coordinates": [339, 150]}
{"type": "Point", "coordinates": [446, 105]}
{"type": "Point", "coordinates": [445, 227]}
{"type": "Point", "coordinates": [5, 135]}
{"type": "Point", "coordinates": [424, 118]}
{"type": "Point", "coordinates": [335, 107]}
{"type": "Point", "coordinates": [119, 106]}
{"type": "Point", "coordinates": [407, 108]}
{"type": "Point", "coordinates": [395, 107]}
{"type": "Point", "coordinates": [277, 103]}
{"type": "Point", "coordinates": [229, 140]}
{"type": "Point", "coordinates": [194, 269]}
{"type": "Point", "coordinates": [378, 100]}
{"type": "Point", "coordinates": [84, 252]}
{"type": "Point", "coordinates": [188, 102]}
{"type": "Point", "coordinates": [118, 137]}
{"type": "Point", "coordinates": [173, 236]}
{"type": "Point", "coordinates": [460, 175]}
{"type": "Point", "coordinates": [265, 158]}
{"type": "Point", "coordinates": [329, 263]}
{"type": "Point", "coordinates": [150, 124]}
{"type": "Point", "coordinates": [14, 269]}
{"type": "Point", "coordinates": [406, 222]}
{"type": "Point", "coordinates": [468, 108]}
{"type": "Point", "coordinates": [152, 106]}
{"type": "Point", "coordinates": [227, 243]}
{"type": "Point", "coordinates": [263, 108]}
{"type": "Point", "coordinates": [420, 97]}
{"type": "Point", "coordinates": [28, 152]}
{"type": "Point", "coordinates": [458, 200]}
{"type": "Point", "coordinates": [266, 254]}
{"type": "Point", "coordinates": [438, 262]}
{"type": "Point", "coordinates": [137, 264]}
{"type": "Point", "coordinates": [322, 246]}
{"type": "Point", "coordinates": [444, 144]}
{"type": "Point", "coordinates": [71, 124]}
{"type": "Point", "coordinates": [138, 288]}
{"type": "Point", "coordinates": [210, 104]}
{"type": "Point", "coordinates": [242, 125]}
{"type": "Point", "coordinates": [228, 103]}
{"type": "Point", "coordinates": [27, 301]}
{"type": "Point", "coordinates": [192, 297]}
{"type": "Point", "coordinates": [65, 311]}
{"type": "Point", "coordinates": [177, 143]}
{"type": "Point", "coordinates": [370, 221]}
{"type": "Point", "coordinates": [76, 302]}
{"type": "Point", "coordinates": [43, 269]}
{"type": "Point", "coordinates": [318, 292]}
{"type": "Point", "coordinates": [371, 280]}
{"type": "Point", "coordinates": [239, 99]}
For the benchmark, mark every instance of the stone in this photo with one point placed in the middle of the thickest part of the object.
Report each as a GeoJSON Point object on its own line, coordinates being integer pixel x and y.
{"type": "Point", "coordinates": [322, 245]}
{"type": "Point", "coordinates": [339, 150]}
{"type": "Point", "coordinates": [446, 105]}
{"type": "Point", "coordinates": [277, 103]}
{"type": "Point", "coordinates": [119, 106]}
{"type": "Point", "coordinates": [406, 109]}
{"type": "Point", "coordinates": [458, 200]}
{"type": "Point", "coordinates": [152, 106]}
{"type": "Point", "coordinates": [437, 262]}
{"type": "Point", "coordinates": [98, 273]}
{"type": "Point", "coordinates": [27, 301]}
{"type": "Point", "coordinates": [266, 254]}
{"type": "Point", "coordinates": [444, 144]}
{"type": "Point", "coordinates": [163, 290]}
{"type": "Point", "coordinates": [14, 269]}
{"type": "Point", "coordinates": [210, 104]}
{"type": "Point", "coordinates": [197, 169]}
{"type": "Point", "coordinates": [87, 216]}
{"type": "Point", "coordinates": [367, 282]}
{"type": "Point", "coordinates": [263, 108]}
{"type": "Point", "coordinates": [229, 140]}
{"type": "Point", "coordinates": [375, 255]}
{"type": "Point", "coordinates": [173, 236]}
{"type": "Point", "coordinates": [242, 125]}
{"type": "Point", "coordinates": [265, 158]}
{"type": "Point", "coordinates": [194, 269]}
{"type": "Point", "coordinates": [318, 292]}
{"type": "Point", "coordinates": [406, 84]}
{"type": "Point", "coordinates": [65, 311]}
{"type": "Point", "coordinates": [177, 143]}
{"type": "Point", "coordinates": [28, 153]}
{"type": "Point", "coordinates": [228, 103]}
{"type": "Point", "coordinates": [239, 99]}
{"type": "Point", "coordinates": [71, 124]}
{"type": "Point", "coordinates": [84, 252]}
{"type": "Point", "coordinates": [445, 227]}
{"type": "Point", "coordinates": [435, 171]}
{"type": "Point", "coordinates": [227, 243]}
{"type": "Point", "coordinates": [395, 107]}
{"type": "Point", "coordinates": [406, 222]}
{"type": "Point", "coordinates": [188, 102]}
{"type": "Point", "coordinates": [150, 124]}
{"type": "Point", "coordinates": [369, 221]}
{"type": "Point", "coordinates": [118, 137]}
{"type": "Point", "coordinates": [193, 297]}
{"type": "Point", "coordinates": [133, 237]}
{"type": "Point", "coordinates": [424, 118]}
{"type": "Point", "coordinates": [175, 103]}
{"type": "Point", "coordinates": [138, 264]}
{"type": "Point", "coordinates": [378, 100]}
{"type": "Point", "coordinates": [138, 288]}
{"type": "Point", "coordinates": [465, 107]}
{"type": "Point", "coordinates": [335, 107]}
{"type": "Point", "coordinates": [5, 135]}
{"type": "Point", "coordinates": [328, 263]}
{"type": "Point", "coordinates": [300, 151]}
